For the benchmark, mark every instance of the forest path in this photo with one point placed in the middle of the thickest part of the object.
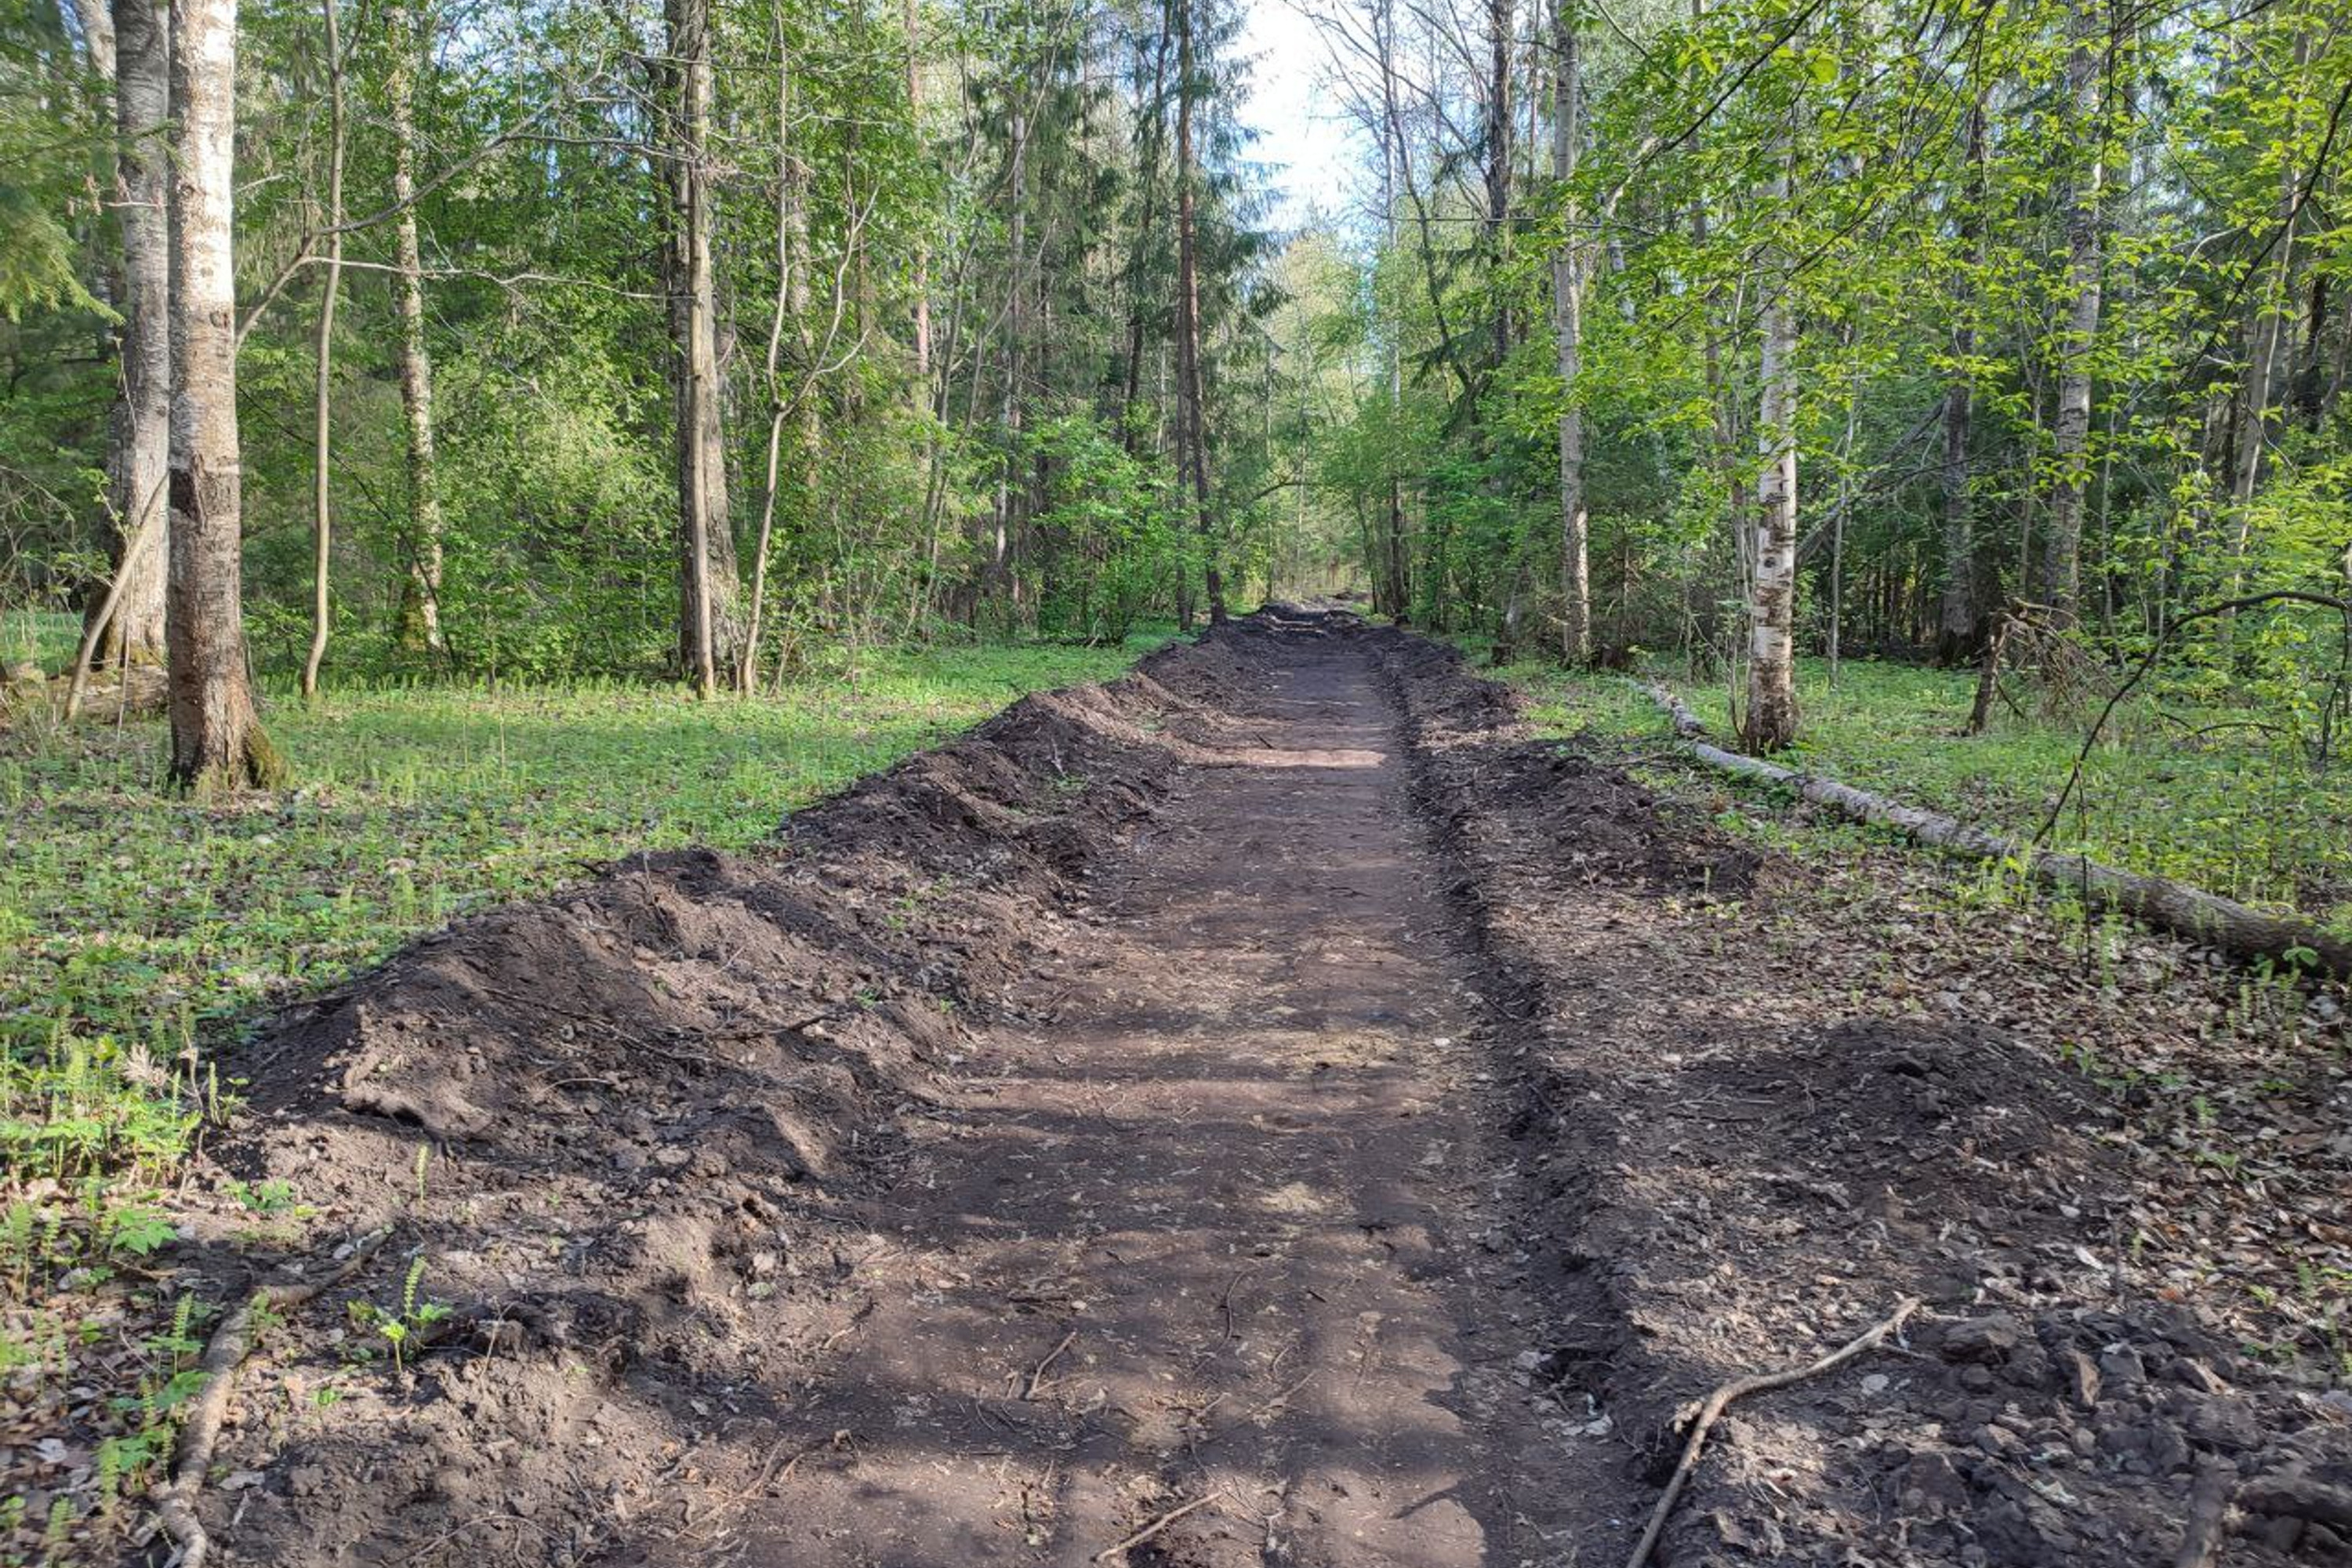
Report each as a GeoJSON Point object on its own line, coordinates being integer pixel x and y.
{"type": "Point", "coordinates": [1229, 1227]}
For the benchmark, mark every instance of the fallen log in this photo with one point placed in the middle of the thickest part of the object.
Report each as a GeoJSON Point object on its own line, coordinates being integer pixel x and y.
{"type": "Point", "coordinates": [2247, 934]}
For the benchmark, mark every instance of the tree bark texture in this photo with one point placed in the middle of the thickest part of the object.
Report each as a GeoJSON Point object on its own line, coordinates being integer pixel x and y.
{"type": "Point", "coordinates": [2061, 541]}
{"type": "Point", "coordinates": [140, 52]}
{"type": "Point", "coordinates": [322, 403]}
{"type": "Point", "coordinates": [216, 737]}
{"type": "Point", "coordinates": [709, 623]}
{"type": "Point", "coordinates": [1771, 721]}
{"type": "Point", "coordinates": [1192, 392]}
{"type": "Point", "coordinates": [1568, 331]}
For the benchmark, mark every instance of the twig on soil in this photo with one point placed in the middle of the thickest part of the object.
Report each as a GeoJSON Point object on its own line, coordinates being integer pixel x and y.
{"type": "Point", "coordinates": [438, 1542]}
{"type": "Point", "coordinates": [1712, 1408]}
{"type": "Point", "coordinates": [1037, 1374]}
{"type": "Point", "coordinates": [1225, 1303]}
{"type": "Point", "coordinates": [175, 1500]}
{"type": "Point", "coordinates": [1156, 1526]}
{"type": "Point", "coordinates": [2209, 1512]}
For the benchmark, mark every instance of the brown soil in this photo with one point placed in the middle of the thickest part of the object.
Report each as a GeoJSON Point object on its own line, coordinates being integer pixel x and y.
{"type": "Point", "coordinates": [1271, 1090]}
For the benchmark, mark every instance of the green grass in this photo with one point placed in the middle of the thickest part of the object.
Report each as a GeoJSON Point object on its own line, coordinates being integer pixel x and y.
{"type": "Point", "coordinates": [2234, 810]}
{"type": "Point", "coordinates": [45, 637]}
{"type": "Point", "coordinates": [133, 925]}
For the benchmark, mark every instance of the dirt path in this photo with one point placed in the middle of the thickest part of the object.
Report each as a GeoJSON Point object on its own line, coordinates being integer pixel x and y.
{"type": "Point", "coordinates": [1209, 1227]}
{"type": "Point", "coordinates": [1275, 1102]}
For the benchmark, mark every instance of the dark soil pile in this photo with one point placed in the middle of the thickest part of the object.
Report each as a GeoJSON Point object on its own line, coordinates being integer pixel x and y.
{"type": "Point", "coordinates": [631, 1139]}
{"type": "Point", "coordinates": [1748, 1135]}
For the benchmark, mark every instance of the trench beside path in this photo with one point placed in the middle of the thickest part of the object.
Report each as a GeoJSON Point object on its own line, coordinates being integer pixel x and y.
{"type": "Point", "coordinates": [1221, 1223]}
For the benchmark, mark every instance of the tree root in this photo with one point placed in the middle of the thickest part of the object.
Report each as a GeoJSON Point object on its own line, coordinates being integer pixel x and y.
{"type": "Point", "coordinates": [1712, 1408]}
{"type": "Point", "coordinates": [175, 1500]}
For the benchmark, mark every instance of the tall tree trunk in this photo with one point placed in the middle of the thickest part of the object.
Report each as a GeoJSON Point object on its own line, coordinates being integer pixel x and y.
{"type": "Point", "coordinates": [97, 24]}
{"type": "Point", "coordinates": [138, 53]}
{"type": "Point", "coordinates": [1957, 620]}
{"type": "Point", "coordinates": [1148, 178]}
{"type": "Point", "coordinates": [1195, 453]}
{"type": "Point", "coordinates": [912, 12]}
{"type": "Point", "coordinates": [1013, 405]}
{"type": "Point", "coordinates": [2265, 341]}
{"type": "Point", "coordinates": [1397, 552]}
{"type": "Point", "coordinates": [1568, 329]}
{"type": "Point", "coordinates": [1770, 721]}
{"type": "Point", "coordinates": [216, 737]}
{"type": "Point", "coordinates": [418, 626]}
{"type": "Point", "coordinates": [2062, 540]}
{"type": "Point", "coordinates": [322, 404]}
{"type": "Point", "coordinates": [1500, 19]}
{"type": "Point", "coordinates": [707, 579]}
{"type": "Point", "coordinates": [796, 403]}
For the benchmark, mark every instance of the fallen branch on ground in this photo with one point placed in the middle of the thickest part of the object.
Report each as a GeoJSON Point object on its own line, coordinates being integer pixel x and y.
{"type": "Point", "coordinates": [175, 1500]}
{"type": "Point", "coordinates": [1155, 1527]}
{"type": "Point", "coordinates": [1712, 1409]}
{"type": "Point", "coordinates": [1037, 1374]}
{"type": "Point", "coordinates": [2244, 933]}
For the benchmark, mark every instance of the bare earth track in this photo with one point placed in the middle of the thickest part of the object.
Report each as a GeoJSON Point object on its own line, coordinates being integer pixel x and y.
{"type": "Point", "coordinates": [1266, 1111]}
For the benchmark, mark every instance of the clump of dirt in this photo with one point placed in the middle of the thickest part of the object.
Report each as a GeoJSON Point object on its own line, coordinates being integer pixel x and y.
{"type": "Point", "coordinates": [1753, 1124]}
{"type": "Point", "coordinates": [631, 1139]}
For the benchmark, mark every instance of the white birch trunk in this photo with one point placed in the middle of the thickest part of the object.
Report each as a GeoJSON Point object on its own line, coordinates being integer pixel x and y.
{"type": "Point", "coordinates": [1568, 331]}
{"type": "Point", "coordinates": [1771, 721]}
{"type": "Point", "coordinates": [217, 738]}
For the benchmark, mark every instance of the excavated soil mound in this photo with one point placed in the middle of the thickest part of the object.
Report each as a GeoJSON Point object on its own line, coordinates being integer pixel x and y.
{"type": "Point", "coordinates": [632, 1138]}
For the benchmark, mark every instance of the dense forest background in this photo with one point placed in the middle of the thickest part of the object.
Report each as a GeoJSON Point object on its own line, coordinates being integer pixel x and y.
{"type": "Point", "coordinates": [713, 340]}
{"type": "Point", "coordinates": [907, 282]}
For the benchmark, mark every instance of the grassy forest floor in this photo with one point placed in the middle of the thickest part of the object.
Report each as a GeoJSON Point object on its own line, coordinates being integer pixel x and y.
{"type": "Point", "coordinates": [2196, 795]}
{"type": "Point", "coordinates": [134, 923]}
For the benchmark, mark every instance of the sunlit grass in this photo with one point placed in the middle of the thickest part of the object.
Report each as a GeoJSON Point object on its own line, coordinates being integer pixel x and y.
{"type": "Point", "coordinates": [44, 637]}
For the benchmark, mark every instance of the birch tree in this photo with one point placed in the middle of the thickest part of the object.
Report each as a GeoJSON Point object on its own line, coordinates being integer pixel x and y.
{"type": "Point", "coordinates": [1567, 329]}
{"type": "Point", "coordinates": [2088, 57]}
{"type": "Point", "coordinates": [323, 401]}
{"type": "Point", "coordinates": [132, 630]}
{"type": "Point", "coordinates": [216, 736]}
{"type": "Point", "coordinates": [1770, 722]}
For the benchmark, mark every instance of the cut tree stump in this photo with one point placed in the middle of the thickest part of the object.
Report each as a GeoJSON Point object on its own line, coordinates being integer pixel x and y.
{"type": "Point", "coordinates": [2247, 934]}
